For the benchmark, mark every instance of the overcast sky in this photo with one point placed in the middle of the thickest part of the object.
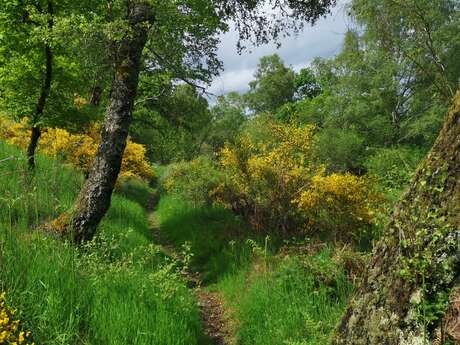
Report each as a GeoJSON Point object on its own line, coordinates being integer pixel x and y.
{"type": "Point", "coordinates": [322, 40]}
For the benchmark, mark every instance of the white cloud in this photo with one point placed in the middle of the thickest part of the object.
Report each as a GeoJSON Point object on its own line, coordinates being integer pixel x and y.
{"type": "Point", "coordinates": [236, 80]}
{"type": "Point", "coordinates": [322, 40]}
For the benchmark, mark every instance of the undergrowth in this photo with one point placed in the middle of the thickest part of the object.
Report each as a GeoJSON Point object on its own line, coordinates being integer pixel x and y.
{"type": "Point", "coordinates": [117, 289]}
{"type": "Point", "coordinates": [122, 289]}
{"type": "Point", "coordinates": [269, 297]}
{"type": "Point", "coordinates": [287, 302]}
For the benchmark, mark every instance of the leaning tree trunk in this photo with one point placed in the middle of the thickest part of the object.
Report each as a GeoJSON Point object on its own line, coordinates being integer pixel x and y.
{"type": "Point", "coordinates": [44, 94]}
{"type": "Point", "coordinates": [95, 195]}
{"type": "Point", "coordinates": [411, 290]}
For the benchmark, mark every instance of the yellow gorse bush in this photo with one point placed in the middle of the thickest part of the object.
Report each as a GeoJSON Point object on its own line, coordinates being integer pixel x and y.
{"type": "Point", "coordinates": [134, 162]}
{"type": "Point", "coordinates": [264, 175]}
{"type": "Point", "coordinates": [10, 330]}
{"type": "Point", "coordinates": [275, 180]}
{"type": "Point", "coordinates": [339, 200]}
{"type": "Point", "coordinates": [78, 150]}
{"type": "Point", "coordinates": [14, 132]}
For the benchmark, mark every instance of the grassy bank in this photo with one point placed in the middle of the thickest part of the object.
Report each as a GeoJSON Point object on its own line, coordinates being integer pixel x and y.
{"type": "Point", "coordinates": [119, 289]}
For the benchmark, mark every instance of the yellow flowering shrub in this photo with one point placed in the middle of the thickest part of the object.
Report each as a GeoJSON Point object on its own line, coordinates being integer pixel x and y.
{"type": "Point", "coordinates": [10, 330]}
{"type": "Point", "coordinates": [14, 133]}
{"type": "Point", "coordinates": [339, 202]}
{"type": "Point", "coordinates": [264, 173]}
{"type": "Point", "coordinates": [274, 179]}
{"type": "Point", "coordinates": [134, 162]}
{"type": "Point", "coordinates": [80, 101]}
{"type": "Point", "coordinates": [56, 142]}
{"type": "Point", "coordinates": [78, 150]}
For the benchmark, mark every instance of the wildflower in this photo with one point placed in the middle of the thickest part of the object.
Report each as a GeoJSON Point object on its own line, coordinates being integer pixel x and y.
{"type": "Point", "coordinates": [10, 332]}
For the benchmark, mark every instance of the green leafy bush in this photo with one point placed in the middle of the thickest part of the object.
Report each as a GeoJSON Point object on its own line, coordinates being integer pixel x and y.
{"type": "Point", "coordinates": [342, 150]}
{"type": "Point", "coordinates": [135, 190]}
{"type": "Point", "coordinates": [394, 167]}
{"type": "Point", "coordinates": [193, 180]}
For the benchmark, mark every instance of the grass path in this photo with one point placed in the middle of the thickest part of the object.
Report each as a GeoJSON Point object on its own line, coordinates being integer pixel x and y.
{"type": "Point", "coordinates": [211, 304]}
{"type": "Point", "coordinates": [250, 292]}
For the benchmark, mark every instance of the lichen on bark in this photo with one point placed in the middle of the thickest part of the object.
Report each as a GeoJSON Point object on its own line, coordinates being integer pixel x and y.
{"type": "Point", "coordinates": [417, 261]}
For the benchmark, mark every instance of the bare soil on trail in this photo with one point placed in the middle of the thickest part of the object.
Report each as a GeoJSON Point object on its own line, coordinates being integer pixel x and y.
{"type": "Point", "coordinates": [212, 316]}
{"type": "Point", "coordinates": [215, 325]}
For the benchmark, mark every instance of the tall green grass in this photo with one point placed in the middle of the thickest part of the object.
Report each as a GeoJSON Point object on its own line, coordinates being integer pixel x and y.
{"type": "Point", "coordinates": [269, 298]}
{"type": "Point", "coordinates": [288, 303]}
{"type": "Point", "coordinates": [116, 290]}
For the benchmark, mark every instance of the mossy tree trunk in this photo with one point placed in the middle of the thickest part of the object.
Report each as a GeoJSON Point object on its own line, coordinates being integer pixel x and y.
{"type": "Point", "coordinates": [404, 296]}
{"type": "Point", "coordinates": [95, 195]}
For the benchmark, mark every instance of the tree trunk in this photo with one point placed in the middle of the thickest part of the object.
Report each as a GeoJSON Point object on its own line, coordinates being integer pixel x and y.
{"type": "Point", "coordinates": [95, 195]}
{"type": "Point", "coordinates": [96, 94]}
{"type": "Point", "coordinates": [44, 94]}
{"type": "Point", "coordinates": [35, 134]}
{"type": "Point", "coordinates": [416, 265]}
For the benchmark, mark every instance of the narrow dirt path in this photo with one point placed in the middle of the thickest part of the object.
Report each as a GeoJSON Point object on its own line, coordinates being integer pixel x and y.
{"type": "Point", "coordinates": [212, 316]}
{"type": "Point", "coordinates": [215, 326]}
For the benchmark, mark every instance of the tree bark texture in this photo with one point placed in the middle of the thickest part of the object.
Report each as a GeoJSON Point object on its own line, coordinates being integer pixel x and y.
{"type": "Point", "coordinates": [404, 296]}
{"type": "Point", "coordinates": [44, 94]}
{"type": "Point", "coordinates": [95, 195]}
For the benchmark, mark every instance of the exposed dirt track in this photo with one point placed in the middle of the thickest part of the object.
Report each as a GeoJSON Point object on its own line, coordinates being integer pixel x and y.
{"type": "Point", "coordinates": [212, 315]}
